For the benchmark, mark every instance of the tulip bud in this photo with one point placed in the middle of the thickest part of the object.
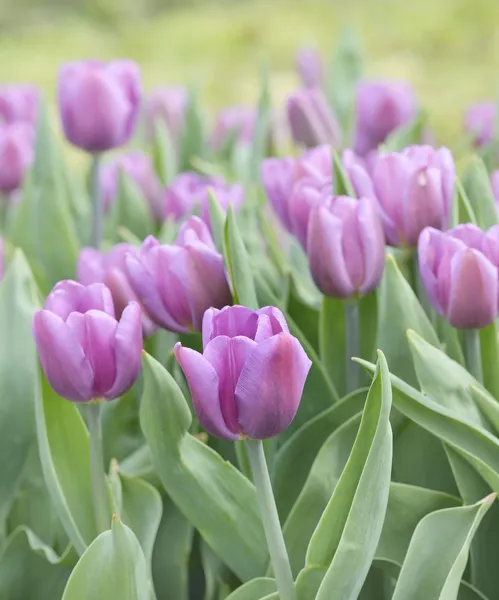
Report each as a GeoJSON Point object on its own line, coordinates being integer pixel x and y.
{"type": "Point", "coordinates": [249, 380]}
{"type": "Point", "coordinates": [346, 246]}
{"type": "Point", "coordinates": [19, 103]}
{"type": "Point", "coordinates": [99, 103]}
{"type": "Point", "coordinates": [494, 183]}
{"type": "Point", "coordinates": [236, 122]}
{"type": "Point", "coordinates": [459, 275]}
{"type": "Point", "coordinates": [480, 122]}
{"type": "Point", "coordinates": [310, 68]}
{"type": "Point", "coordinates": [190, 190]}
{"type": "Point", "coordinates": [381, 107]}
{"type": "Point", "coordinates": [414, 189]}
{"type": "Point", "coordinates": [167, 104]}
{"type": "Point", "coordinates": [85, 352]}
{"type": "Point", "coordinates": [177, 283]}
{"type": "Point", "coordinates": [109, 268]}
{"type": "Point", "coordinates": [311, 119]}
{"type": "Point", "coordinates": [138, 166]}
{"type": "Point", "coordinates": [16, 154]}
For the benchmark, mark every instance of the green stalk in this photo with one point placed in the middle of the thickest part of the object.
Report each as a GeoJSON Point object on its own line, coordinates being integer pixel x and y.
{"type": "Point", "coordinates": [99, 482]}
{"type": "Point", "coordinates": [352, 343]}
{"type": "Point", "coordinates": [97, 205]}
{"type": "Point", "coordinates": [270, 518]}
{"type": "Point", "coordinates": [473, 354]}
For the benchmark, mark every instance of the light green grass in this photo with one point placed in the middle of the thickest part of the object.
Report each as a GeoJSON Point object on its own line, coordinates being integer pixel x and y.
{"type": "Point", "coordinates": [449, 49]}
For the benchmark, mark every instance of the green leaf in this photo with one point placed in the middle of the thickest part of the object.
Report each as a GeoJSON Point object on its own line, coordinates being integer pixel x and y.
{"type": "Point", "coordinates": [192, 141]}
{"type": "Point", "coordinates": [296, 457]}
{"type": "Point", "coordinates": [476, 182]}
{"type": "Point", "coordinates": [164, 153]}
{"type": "Point", "coordinates": [172, 549]}
{"type": "Point", "coordinates": [438, 553]}
{"type": "Point", "coordinates": [406, 135]}
{"type": "Point", "coordinates": [237, 259]}
{"type": "Point", "coordinates": [121, 431]}
{"type": "Point", "coordinates": [217, 219]}
{"type": "Point", "coordinates": [256, 589]}
{"type": "Point", "coordinates": [342, 185]}
{"type": "Point", "coordinates": [304, 315]}
{"type": "Point", "coordinates": [332, 340]}
{"type": "Point", "coordinates": [309, 581]}
{"type": "Point", "coordinates": [462, 211]}
{"type": "Point", "coordinates": [112, 567]}
{"type": "Point", "coordinates": [350, 527]}
{"type": "Point", "coordinates": [130, 209]}
{"type": "Point", "coordinates": [216, 498]}
{"type": "Point", "coordinates": [489, 346]}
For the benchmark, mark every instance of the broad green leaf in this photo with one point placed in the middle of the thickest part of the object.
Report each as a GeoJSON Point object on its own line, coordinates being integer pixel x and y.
{"type": "Point", "coordinates": [487, 404]}
{"type": "Point", "coordinates": [295, 458]}
{"type": "Point", "coordinates": [305, 316]}
{"type": "Point", "coordinates": [130, 209]}
{"type": "Point", "coordinates": [19, 377]}
{"type": "Point", "coordinates": [257, 589]}
{"type": "Point", "coordinates": [192, 142]}
{"type": "Point", "coordinates": [368, 317]}
{"type": "Point", "coordinates": [172, 549]}
{"type": "Point", "coordinates": [308, 582]}
{"type": "Point", "coordinates": [438, 553]}
{"type": "Point", "coordinates": [342, 185]}
{"type": "Point", "coordinates": [469, 592]}
{"type": "Point", "coordinates": [112, 567]}
{"type": "Point", "coordinates": [406, 135]}
{"type": "Point", "coordinates": [217, 219]}
{"type": "Point", "coordinates": [489, 346]}
{"type": "Point", "coordinates": [164, 153]}
{"type": "Point", "coordinates": [216, 498]}
{"type": "Point", "coordinates": [449, 337]}
{"type": "Point", "coordinates": [139, 464]}
{"type": "Point", "coordinates": [476, 182]}
{"type": "Point", "coordinates": [350, 527]}
{"type": "Point", "coordinates": [238, 264]}
{"type": "Point", "coordinates": [462, 211]}
{"type": "Point", "coordinates": [120, 427]}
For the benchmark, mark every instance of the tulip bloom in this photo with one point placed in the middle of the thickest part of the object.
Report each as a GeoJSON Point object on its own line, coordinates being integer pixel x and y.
{"type": "Point", "coordinates": [167, 104]}
{"type": "Point", "coordinates": [19, 103]}
{"type": "Point", "coordinates": [346, 246]}
{"type": "Point", "coordinates": [381, 107]}
{"type": "Point", "coordinates": [480, 122]}
{"type": "Point", "coordinates": [414, 189]}
{"type": "Point", "coordinates": [249, 380]}
{"type": "Point", "coordinates": [99, 103]}
{"type": "Point", "coordinates": [237, 122]}
{"type": "Point", "coordinates": [459, 272]}
{"type": "Point", "coordinates": [85, 352]}
{"type": "Point", "coordinates": [310, 68]}
{"type": "Point", "coordinates": [109, 268]}
{"type": "Point", "coordinates": [311, 118]}
{"type": "Point", "coordinates": [138, 166]}
{"type": "Point", "coordinates": [16, 154]}
{"type": "Point", "coordinates": [177, 283]}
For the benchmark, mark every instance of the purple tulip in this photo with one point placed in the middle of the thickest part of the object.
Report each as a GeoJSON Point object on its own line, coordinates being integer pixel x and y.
{"type": "Point", "coordinates": [346, 246]}
{"type": "Point", "coordinates": [311, 119]}
{"type": "Point", "coordinates": [177, 283]}
{"type": "Point", "coordinates": [19, 103]}
{"type": "Point", "coordinates": [310, 68]}
{"type": "Point", "coordinates": [414, 189]}
{"type": "Point", "coordinates": [359, 170]}
{"type": "Point", "coordinates": [167, 104]}
{"type": "Point", "coordinates": [190, 190]}
{"type": "Point", "coordinates": [235, 121]}
{"type": "Point", "coordinates": [99, 103]}
{"type": "Point", "coordinates": [381, 107]}
{"type": "Point", "coordinates": [249, 380]}
{"type": "Point", "coordinates": [480, 122]}
{"type": "Point", "coordinates": [109, 268]}
{"type": "Point", "coordinates": [16, 154]}
{"type": "Point", "coordinates": [460, 275]}
{"type": "Point", "coordinates": [137, 165]}
{"type": "Point", "coordinates": [494, 183]}
{"type": "Point", "coordinates": [85, 352]}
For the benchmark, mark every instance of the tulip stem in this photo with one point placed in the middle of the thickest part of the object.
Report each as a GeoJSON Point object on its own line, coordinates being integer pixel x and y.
{"type": "Point", "coordinates": [97, 205]}
{"type": "Point", "coordinates": [473, 354]}
{"type": "Point", "coordinates": [270, 518]}
{"type": "Point", "coordinates": [99, 483]}
{"type": "Point", "coordinates": [352, 345]}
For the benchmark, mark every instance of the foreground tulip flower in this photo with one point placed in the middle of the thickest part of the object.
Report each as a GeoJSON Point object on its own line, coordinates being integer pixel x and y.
{"type": "Point", "coordinates": [414, 189]}
{"type": "Point", "coordinates": [249, 380]}
{"type": "Point", "coordinates": [460, 275]}
{"type": "Point", "coordinates": [480, 122]}
{"type": "Point", "coordinates": [99, 103]}
{"type": "Point", "coordinates": [381, 107]}
{"type": "Point", "coordinates": [167, 104]}
{"type": "Point", "coordinates": [85, 352]}
{"type": "Point", "coordinates": [137, 165]}
{"type": "Point", "coordinates": [110, 268]}
{"type": "Point", "coordinates": [311, 118]}
{"type": "Point", "coordinates": [310, 68]}
{"type": "Point", "coordinates": [237, 122]}
{"type": "Point", "coordinates": [19, 103]}
{"type": "Point", "coordinates": [177, 283]}
{"type": "Point", "coordinates": [16, 154]}
{"type": "Point", "coordinates": [346, 246]}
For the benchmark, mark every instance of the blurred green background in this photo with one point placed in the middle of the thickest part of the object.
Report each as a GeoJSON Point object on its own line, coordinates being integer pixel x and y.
{"type": "Point", "coordinates": [448, 49]}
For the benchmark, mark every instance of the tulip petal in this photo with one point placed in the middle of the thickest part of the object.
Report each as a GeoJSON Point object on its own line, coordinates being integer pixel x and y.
{"type": "Point", "coordinates": [448, 170]}
{"type": "Point", "coordinates": [470, 234]}
{"type": "Point", "coordinates": [90, 266]}
{"type": "Point", "coordinates": [171, 267]}
{"type": "Point", "coordinates": [96, 296]}
{"type": "Point", "coordinates": [100, 331]}
{"type": "Point", "coordinates": [277, 319]}
{"type": "Point", "coordinates": [231, 321]}
{"type": "Point", "coordinates": [64, 298]}
{"type": "Point", "coordinates": [270, 386]}
{"type": "Point", "coordinates": [423, 204]}
{"type": "Point", "coordinates": [302, 201]}
{"type": "Point", "coordinates": [203, 384]}
{"type": "Point", "coordinates": [63, 360]}
{"type": "Point", "coordinates": [277, 175]}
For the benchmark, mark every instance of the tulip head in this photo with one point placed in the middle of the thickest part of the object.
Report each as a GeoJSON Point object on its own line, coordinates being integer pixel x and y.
{"type": "Point", "coordinates": [480, 122]}
{"type": "Point", "coordinates": [345, 246]}
{"type": "Point", "coordinates": [311, 118]}
{"type": "Point", "coordinates": [99, 103]}
{"type": "Point", "coordinates": [310, 68]}
{"type": "Point", "coordinates": [169, 105]}
{"type": "Point", "coordinates": [414, 189]}
{"type": "Point", "coordinates": [249, 380]}
{"type": "Point", "coordinates": [85, 352]}
{"type": "Point", "coordinates": [459, 270]}
{"type": "Point", "coordinates": [236, 122]}
{"type": "Point", "coordinates": [381, 107]}
{"type": "Point", "coordinates": [19, 103]}
{"type": "Point", "coordinates": [16, 154]}
{"type": "Point", "coordinates": [177, 283]}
